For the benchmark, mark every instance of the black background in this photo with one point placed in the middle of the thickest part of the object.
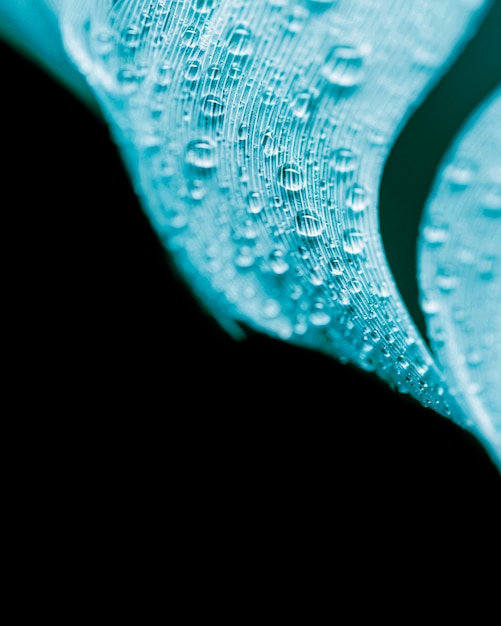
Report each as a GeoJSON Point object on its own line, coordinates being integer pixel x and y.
{"type": "Point", "coordinates": [107, 338]}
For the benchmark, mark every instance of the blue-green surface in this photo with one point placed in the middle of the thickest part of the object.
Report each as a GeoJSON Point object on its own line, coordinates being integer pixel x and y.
{"type": "Point", "coordinates": [255, 137]}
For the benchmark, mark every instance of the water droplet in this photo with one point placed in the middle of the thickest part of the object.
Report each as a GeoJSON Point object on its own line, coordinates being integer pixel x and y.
{"type": "Point", "coordinates": [278, 263]}
{"type": "Point", "coordinates": [131, 38]}
{"type": "Point", "coordinates": [460, 173]}
{"type": "Point", "coordinates": [320, 4]}
{"type": "Point", "coordinates": [344, 160]}
{"type": "Point", "coordinates": [430, 306]}
{"type": "Point", "coordinates": [269, 144]}
{"type": "Point", "coordinates": [355, 286]}
{"type": "Point", "coordinates": [203, 6]}
{"type": "Point", "coordinates": [243, 131]}
{"type": "Point", "coordinates": [491, 201]}
{"type": "Point", "coordinates": [164, 77]}
{"type": "Point", "coordinates": [308, 224]}
{"type": "Point", "coordinates": [103, 42]}
{"type": "Point", "coordinates": [302, 104]}
{"type": "Point", "coordinates": [240, 40]}
{"type": "Point", "coordinates": [436, 234]}
{"type": "Point", "coordinates": [319, 315]}
{"type": "Point", "coordinates": [446, 280]}
{"type": "Point", "coordinates": [245, 257]}
{"type": "Point", "coordinates": [201, 153]}
{"type": "Point", "coordinates": [343, 66]}
{"type": "Point", "coordinates": [197, 189]}
{"type": "Point", "coordinates": [212, 106]}
{"type": "Point", "coordinates": [336, 267]}
{"type": "Point", "coordinates": [357, 200]}
{"type": "Point", "coordinates": [255, 202]}
{"type": "Point", "coordinates": [290, 176]}
{"type": "Point", "coordinates": [192, 70]}
{"type": "Point", "coordinates": [353, 241]}
{"type": "Point", "coordinates": [190, 36]}
{"type": "Point", "coordinates": [269, 97]}
{"type": "Point", "coordinates": [214, 72]}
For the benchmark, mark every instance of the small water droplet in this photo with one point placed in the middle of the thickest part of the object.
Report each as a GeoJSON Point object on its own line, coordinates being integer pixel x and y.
{"type": "Point", "coordinates": [460, 173]}
{"type": "Point", "coordinates": [336, 267]}
{"type": "Point", "coordinates": [436, 234]}
{"type": "Point", "coordinates": [192, 70]}
{"type": "Point", "coordinates": [214, 72]}
{"type": "Point", "coordinates": [491, 201]}
{"type": "Point", "coordinates": [309, 223]}
{"type": "Point", "coordinates": [190, 36]}
{"type": "Point", "coordinates": [353, 241]}
{"type": "Point", "coordinates": [278, 263]}
{"type": "Point", "coordinates": [302, 104]}
{"type": "Point", "coordinates": [344, 160]}
{"type": "Point", "coordinates": [203, 6]}
{"type": "Point", "coordinates": [319, 315]}
{"type": "Point", "coordinates": [255, 202]}
{"type": "Point", "coordinates": [103, 42]}
{"type": "Point", "coordinates": [212, 106]}
{"type": "Point", "coordinates": [201, 153]}
{"type": "Point", "coordinates": [269, 144]}
{"type": "Point", "coordinates": [164, 77]}
{"type": "Point", "coordinates": [290, 176]}
{"type": "Point", "coordinates": [245, 257]}
{"type": "Point", "coordinates": [446, 280]}
{"type": "Point", "coordinates": [243, 131]}
{"type": "Point", "coordinates": [343, 66]}
{"type": "Point", "coordinates": [357, 200]}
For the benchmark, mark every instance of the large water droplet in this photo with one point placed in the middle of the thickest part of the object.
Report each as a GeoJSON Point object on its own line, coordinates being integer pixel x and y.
{"type": "Point", "coordinates": [343, 66]}
{"type": "Point", "coordinates": [309, 224]}
{"type": "Point", "coordinates": [290, 176]}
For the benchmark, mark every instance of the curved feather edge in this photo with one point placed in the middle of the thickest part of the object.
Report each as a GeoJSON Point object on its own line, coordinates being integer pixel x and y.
{"type": "Point", "coordinates": [459, 260]}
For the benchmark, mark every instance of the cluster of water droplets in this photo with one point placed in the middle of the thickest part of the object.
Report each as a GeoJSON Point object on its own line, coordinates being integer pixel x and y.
{"type": "Point", "coordinates": [460, 269]}
{"type": "Point", "coordinates": [255, 134]}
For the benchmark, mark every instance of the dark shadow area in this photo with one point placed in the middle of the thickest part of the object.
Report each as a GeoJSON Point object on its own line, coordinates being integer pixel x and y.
{"type": "Point", "coordinates": [105, 338]}
{"type": "Point", "coordinates": [415, 157]}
